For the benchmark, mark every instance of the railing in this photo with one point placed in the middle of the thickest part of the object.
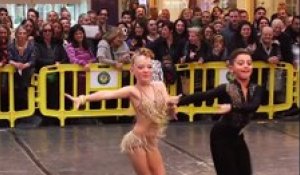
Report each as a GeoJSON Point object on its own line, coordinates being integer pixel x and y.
{"type": "Point", "coordinates": [7, 91]}
{"type": "Point", "coordinates": [54, 81]}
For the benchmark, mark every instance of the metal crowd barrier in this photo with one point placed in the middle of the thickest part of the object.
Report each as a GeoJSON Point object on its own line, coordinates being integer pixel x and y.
{"type": "Point", "coordinates": [54, 81]}
{"type": "Point", "coordinates": [296, 82]}
{"type": "Point", "coordinates": [7, 92]}
{"type": "Point", "coordinates": [219, 76]}
{"type": "Point", "coordinates": [100, 77]}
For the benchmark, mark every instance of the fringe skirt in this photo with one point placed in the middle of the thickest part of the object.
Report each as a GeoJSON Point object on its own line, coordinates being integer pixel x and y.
{"type": "Point", "coordinates": [132, 141]}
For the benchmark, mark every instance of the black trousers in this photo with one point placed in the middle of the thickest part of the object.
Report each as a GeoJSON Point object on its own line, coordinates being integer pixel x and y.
{"type": "Point", "coordinates": [229, 150]}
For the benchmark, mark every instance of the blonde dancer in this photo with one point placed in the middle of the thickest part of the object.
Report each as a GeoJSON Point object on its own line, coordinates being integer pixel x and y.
{"type": "Point", "coordinates": [149, 99]}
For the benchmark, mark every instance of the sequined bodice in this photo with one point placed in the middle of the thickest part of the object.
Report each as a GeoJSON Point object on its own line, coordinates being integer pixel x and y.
{"type": "Point", "coordinates": [239, 119]}
{"type": "Point", "coordinates": [154, 109]}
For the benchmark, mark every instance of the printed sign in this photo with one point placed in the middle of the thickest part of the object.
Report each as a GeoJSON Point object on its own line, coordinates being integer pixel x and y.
{"type": "Point", "coordinates": [104, 79]}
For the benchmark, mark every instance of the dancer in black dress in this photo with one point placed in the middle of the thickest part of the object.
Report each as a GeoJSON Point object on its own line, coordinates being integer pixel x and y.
{"type": "Point", "coordinates": [241, 100]}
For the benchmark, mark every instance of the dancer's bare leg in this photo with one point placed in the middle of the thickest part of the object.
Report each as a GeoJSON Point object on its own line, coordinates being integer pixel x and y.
{"type": "Point", "coordinates": [139, 161]}
{"type": "Point", "coordinates": [155, 161]}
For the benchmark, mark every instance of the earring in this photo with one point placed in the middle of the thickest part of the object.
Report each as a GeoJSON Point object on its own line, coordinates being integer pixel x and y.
{"type": "Point", "coordinates": [229, 77]}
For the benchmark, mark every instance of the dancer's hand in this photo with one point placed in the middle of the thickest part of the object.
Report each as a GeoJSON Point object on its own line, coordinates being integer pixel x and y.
{"type": "Point", "coordinates": [172, 111]}
{"type": "Point", "coordinates": [224, 108]}
{"type": "Point", "coordinates": [86, 68]}
{"type": "Point", "coordinates": [173, 100]}
{"type": "Point", "coordinates": [274, 60]}
{"type": "Point", "coordinates": [119, 66]}
{"type": "Point", "coordinates": [200, 61]}
{"type": "Point", "coordinates": [172, 106]}
{"type": "Point", "coordinates": [80, 100]}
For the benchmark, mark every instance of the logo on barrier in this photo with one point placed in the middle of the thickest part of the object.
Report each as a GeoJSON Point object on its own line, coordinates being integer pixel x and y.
{"type": "Point", "coordinates": [104, 78]}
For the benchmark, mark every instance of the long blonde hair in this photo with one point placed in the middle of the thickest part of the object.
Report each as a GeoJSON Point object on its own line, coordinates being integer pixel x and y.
{"type": "Point", "coordinates": [7, 30]}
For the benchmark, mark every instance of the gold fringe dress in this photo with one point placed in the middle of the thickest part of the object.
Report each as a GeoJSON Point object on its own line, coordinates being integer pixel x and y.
{"type": "Point", "coordinates": [154, 110]}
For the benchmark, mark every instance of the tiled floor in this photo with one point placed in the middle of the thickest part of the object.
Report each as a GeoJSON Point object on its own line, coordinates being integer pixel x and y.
{"type": "Point", "coordinates": [94, 149]}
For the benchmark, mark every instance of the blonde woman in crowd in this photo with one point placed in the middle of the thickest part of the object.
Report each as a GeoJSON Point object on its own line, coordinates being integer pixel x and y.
{"type": "Point", "coordinates": [20, 56]}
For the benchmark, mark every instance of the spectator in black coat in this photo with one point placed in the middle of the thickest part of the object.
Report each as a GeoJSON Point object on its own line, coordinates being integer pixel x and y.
{"type": "Point", "coordinates": [267, 50]}
{"type": "Point", "coordinates": [293, 32]}
{"type": "Point", "coordinates": [230, 30]}
{"type": "Point", "coordinates": [167, 51]}
{"type": "Point", "coordinates": [284, 41]}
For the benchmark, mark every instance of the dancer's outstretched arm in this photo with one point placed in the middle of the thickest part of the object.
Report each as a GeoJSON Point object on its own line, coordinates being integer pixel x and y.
{"type": "Point", "coordinates": [200, 96]}
{"type": "Point", "coordinates": [124, 92]}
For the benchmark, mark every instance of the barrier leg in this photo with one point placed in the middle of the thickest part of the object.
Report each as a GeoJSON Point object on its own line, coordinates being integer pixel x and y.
{"type": "Point", "coordinates": [12, 123]}
{"type": "Point", "coordinates": [271, 115]}
{"type": "Point", "coordinates": [191, 118]}
{"type": "Point", "coordinates": [62, 122]}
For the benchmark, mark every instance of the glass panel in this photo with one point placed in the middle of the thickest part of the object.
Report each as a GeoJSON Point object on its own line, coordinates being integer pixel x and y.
{"type": "Point", "coordinates": [293, 6]}
{"type": "Point", "coordinates": [18, 11]}
{"type": "Point", "coordinates": [175, 6]}
{"type": "Point", "coordinates": [74, 14]}
{"type": "Point", "coordinates": [57, 7]}
{"type": "Point", "coordinates": [224, 4]}
{"type": "Point", "coordinates": [43, 10]}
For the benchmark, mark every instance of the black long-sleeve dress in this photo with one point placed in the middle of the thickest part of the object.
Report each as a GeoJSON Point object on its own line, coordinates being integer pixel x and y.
{"type": "Point", "coordinates": [229, 150]}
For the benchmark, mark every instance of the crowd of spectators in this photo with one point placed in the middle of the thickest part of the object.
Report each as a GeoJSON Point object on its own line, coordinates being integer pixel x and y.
{"type": "Point", "coordinates": [196, 36]}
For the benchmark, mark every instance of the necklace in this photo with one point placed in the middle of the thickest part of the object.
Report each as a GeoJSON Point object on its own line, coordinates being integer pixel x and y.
{"type": "Point", "coordinates": [143, 92]}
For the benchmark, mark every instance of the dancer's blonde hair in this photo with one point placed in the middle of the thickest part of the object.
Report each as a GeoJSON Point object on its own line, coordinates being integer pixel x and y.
{"type": "Point", "coordinates": [142, 52]}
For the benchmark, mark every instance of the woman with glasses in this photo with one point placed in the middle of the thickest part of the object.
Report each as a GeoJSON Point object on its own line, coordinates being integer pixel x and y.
{"type": "Point", "coordinates": [48, 52]}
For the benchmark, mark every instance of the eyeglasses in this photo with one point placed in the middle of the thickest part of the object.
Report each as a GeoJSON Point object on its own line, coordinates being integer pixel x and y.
{"type": "Point", "coordinates": [47, 30]}
{"type": "Point", "coordinates": [208, 31]}
{"type": "Point", "coordinates": [263, 22]}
